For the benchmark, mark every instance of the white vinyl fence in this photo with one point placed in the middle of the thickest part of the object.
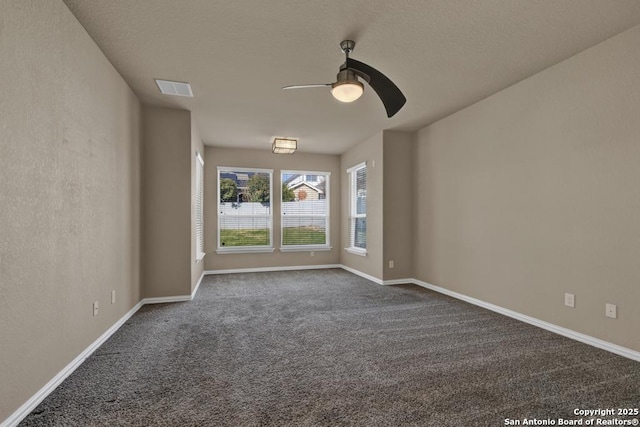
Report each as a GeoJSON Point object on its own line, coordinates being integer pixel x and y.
{"type": "Point", "coordinates": [295, 214]}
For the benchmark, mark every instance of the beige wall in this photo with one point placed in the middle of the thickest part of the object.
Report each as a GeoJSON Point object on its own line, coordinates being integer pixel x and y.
{"type": "Point", "coordinates": [197, 267]}
{"type": "Point", "coordinates": [535, 192]}
{"type": "Point", "coordinates": [263, 159]}
{"type": "Point", "coordinates": [369, 151]}
{"type": "Point", "coordinates": [166, 214]}
{"type": "Point", "coordinates": [69, 195]}
{"type": "Point", "coordinates": [399, 197]}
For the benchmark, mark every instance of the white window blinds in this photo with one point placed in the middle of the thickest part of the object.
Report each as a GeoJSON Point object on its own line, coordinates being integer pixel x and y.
{"type": "Point", "coordinates": [199, 214]}
{"type": "Point", "coordinates": [358, 207]}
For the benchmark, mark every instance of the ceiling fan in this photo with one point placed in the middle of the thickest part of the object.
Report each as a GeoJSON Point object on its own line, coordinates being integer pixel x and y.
{"type": "Point", "coordinates": [347, 88]}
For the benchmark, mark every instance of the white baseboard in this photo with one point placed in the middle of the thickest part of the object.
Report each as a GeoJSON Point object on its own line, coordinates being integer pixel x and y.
{"type": "Point", "coordinates": [166, 300]}
{"type": "Point", "coordinates": [361, 274]}
{"type": "Point", "coordinates": [398, 282]}
{"type": "Point", "coordinates": [266, 269]}
{"type": "Point", "coordinates": [24, 410]}
{"type": "Point", "coordinates": [569, 333]}
{"type": "Point", "coordinates": [176, 298]}
{"type": "Point", "coordinates": [195, 290]}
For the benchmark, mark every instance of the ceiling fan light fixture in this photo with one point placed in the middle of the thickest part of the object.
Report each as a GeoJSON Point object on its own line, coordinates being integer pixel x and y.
{"type": "Point", "coordinates": [284, 146]}
{"type": "Point", "coordinates": [347, 90]}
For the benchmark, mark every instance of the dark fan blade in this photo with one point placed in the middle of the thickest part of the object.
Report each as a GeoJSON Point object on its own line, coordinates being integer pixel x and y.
{"type": "Point", "coordinates": [306, 86]}
{"type": "Point", "coordinates": [389, 94]}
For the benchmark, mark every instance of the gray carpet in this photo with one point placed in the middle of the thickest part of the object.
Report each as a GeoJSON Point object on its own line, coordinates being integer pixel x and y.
{"type": "Point", "coordinates": [327, 348]}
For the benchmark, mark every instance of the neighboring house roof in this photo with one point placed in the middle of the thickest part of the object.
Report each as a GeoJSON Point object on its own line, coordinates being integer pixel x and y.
{"type": "Point", "coordinates": [292, 179]}
{"type": "Point", "coordinates": [240, 178]}
{"type": "Point", "coordinates": [297, 178]}
{"type": "Point", "coordinates": [306, 184]}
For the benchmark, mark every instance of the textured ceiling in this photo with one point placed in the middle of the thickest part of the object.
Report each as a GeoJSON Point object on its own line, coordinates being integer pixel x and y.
{"type": "Point", "coordinates": [443, 54]}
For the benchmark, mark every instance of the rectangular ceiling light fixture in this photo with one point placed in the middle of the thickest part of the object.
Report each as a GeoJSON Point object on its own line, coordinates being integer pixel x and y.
{"type": "Point", "coordinates": [168, 87]}
{"type": "Point", "coordinates": [284, 145]}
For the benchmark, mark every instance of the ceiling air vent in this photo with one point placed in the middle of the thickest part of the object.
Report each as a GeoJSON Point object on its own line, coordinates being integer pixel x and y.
{"type": "Point", "coordinates": [168, 87]}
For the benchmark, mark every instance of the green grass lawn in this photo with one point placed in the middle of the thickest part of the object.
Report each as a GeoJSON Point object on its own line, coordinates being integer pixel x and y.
{"type": "Point", "coordinates": [260, 237]}
{"type": "Point", "coordinates": [303, 236]}
{"type": "Point", "coordinates": [244, 237]}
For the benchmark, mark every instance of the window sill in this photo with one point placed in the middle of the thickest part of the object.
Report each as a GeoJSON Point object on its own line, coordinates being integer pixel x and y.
{"type": "Point", "coordinates": [356, 251]}
{"type": "Point", "coordinates": [225, 251]}
{"type": "Point", "coordinates": [200, 257]}
{"type": "Point", "coordinates": [305, 248]}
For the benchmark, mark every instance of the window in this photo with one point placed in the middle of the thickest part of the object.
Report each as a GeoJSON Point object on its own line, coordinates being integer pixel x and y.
{"type": "Point", "coordinates": [305, 211]}
{"type": "Point", "coordinates": [244, 210]}
{"type": "Point", "coordinates": [358, 209]}
{"type": "Point", "coordinates": [199, 198]}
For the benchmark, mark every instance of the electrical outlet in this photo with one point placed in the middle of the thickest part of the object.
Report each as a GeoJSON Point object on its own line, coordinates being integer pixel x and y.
{"type": "Point", "coordinates": [611, 310]}
{"type": "Point", "coordinates": [570, 300]}
{"type": "Point", "coordinates": [313, 253]}
{"type": "Point", "coordinates": [113, 297]}
{"type": "Point", "coordinates": [95, 308]}
{"type": "Point", "coordinates": [391, 264]}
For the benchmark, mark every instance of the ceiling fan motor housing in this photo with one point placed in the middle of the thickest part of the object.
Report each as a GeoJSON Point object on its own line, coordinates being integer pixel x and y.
{"type": "Point", "coordinates": [346, 76]}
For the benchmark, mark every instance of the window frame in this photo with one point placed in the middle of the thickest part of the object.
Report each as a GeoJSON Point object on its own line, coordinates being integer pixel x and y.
{"type": "Point", "coordinates": [245, 249]}
{"type": "Point", "coordinates": [199, 208]}
{"type": "Point", "coordinates": [307, 248]}
{"type": "Point", "coordinates": [353, 213]}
